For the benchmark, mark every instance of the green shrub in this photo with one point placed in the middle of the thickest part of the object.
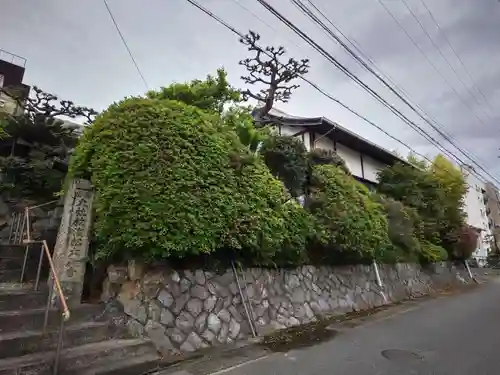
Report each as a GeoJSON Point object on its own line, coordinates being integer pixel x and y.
{"type": "Point", "coordinates": [436, 191]}
{"type": "Point", "coordinates": [431, 253]}
{"type": "Point", "coordinates": [403, 229]}
{"type": "Point", "coordinates": [211, 94]}
{"type": "Point", "coordinates": [239, 119]}
{"type": "Point", "coordinates": [320, 156]}
{"type": "Point", "coordinates": [418, 189]}
{"type": "Point", "coordinates": [287, 159]}
{"type": "Point", "coordinates": [173, 181]}
{"type": "Point", "coordinates": [349, 220]}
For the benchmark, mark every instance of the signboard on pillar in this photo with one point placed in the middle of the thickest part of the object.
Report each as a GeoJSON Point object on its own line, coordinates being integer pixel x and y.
{"type": "Point", "coordinates": [73, 239]}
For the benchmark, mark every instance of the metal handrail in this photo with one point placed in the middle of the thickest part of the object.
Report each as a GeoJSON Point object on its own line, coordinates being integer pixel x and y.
{"type": "Point", "coordinates": [45, 250]}
{"type": "Point", "coordinates": [56, 283]}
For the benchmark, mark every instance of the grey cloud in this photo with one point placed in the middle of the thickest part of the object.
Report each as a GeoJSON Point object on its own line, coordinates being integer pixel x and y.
{"type": "Point", "coordinates": [73, 50]}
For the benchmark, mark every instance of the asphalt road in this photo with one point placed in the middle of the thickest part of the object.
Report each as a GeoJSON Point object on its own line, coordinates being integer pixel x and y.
{"type": "Point", "coordinates": [455, 335]}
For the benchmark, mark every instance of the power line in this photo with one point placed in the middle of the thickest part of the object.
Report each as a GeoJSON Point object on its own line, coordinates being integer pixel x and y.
{"type": "Point", "coordinates": [237, 2]}
{"type": "Point", "coordinates": [315, 86]}
{"type": "Point", "coordinates": [440, 52]}
{"type": "Point", "coordinates": [126, 45]}
{"type": "Point", "coordinates": [440, 129]}
{"type": "Point", "coordinates": [428, 59]}
{"type": "Point", "coordinates": [457, 55]}
{"type": "Point", "coordinates": [367, 88]}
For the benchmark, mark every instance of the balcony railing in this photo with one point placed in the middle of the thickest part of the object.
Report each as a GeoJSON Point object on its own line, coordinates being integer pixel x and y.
{"type": "Point", "coordinates": [12, 58]}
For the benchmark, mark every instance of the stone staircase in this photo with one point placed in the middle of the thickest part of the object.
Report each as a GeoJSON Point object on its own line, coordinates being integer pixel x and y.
{"type": "Point", "coordinates": [94, 341]}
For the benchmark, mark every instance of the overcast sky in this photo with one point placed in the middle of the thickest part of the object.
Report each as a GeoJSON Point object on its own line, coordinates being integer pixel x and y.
{"type": "Point", "coordinates": [73, 50]}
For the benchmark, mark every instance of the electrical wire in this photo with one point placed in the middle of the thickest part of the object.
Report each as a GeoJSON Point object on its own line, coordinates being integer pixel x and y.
{"type": "Point", "coordinates": [388, 11]}
{"type": "Point", "coordinates": [255, 15]}
{"type": "Point", "coordinates": [367, 88]}
{"type": "Point", "coordinates": [126, 45]}
{"type": "Point", "coordinates": [415, 17]}
{"type": "Point", "coordinates": [447, 40]}
{"type": "Point", "coordinates": [316, 87]}
{"type": "Point", "coordinates": [394, 88]}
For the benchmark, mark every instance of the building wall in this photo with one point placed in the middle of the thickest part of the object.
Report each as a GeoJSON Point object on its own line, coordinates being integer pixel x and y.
{"type": "Point", "coordinates": [13, 73]}
{"type": "Point", "coordinates": [11, 79]}
{"type": "Point", "coordinates": [9, 105]}
{"type": "Point", "coordinates": [476, 213]}
{"type": "Point", "coordinates": [492, 199]}
{"type": "Point", "coordinates": [292, 130]}
{"type": "Point", "coordinates": [352, 159]}
{"type": "Point", "coordinates": [371, 167]}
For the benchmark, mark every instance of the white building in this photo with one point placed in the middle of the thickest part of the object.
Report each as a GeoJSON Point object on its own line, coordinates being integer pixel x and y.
{"type": "Point", "coordinates": [477, 216]}
{"type": "Point", "coordinates": [363, 158]}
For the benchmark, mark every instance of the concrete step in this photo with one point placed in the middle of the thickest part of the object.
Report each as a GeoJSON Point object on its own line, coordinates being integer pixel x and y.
{"type": "Point", "coordinates": [14, 274]}
{"type": "Point", "coordinates": [32, 319]}
{"type": "Point", "coordinates": [16, 286]}
{"type": "Point", "coordinates": [12, 251]}
{"type": "Point", "coordinates": [20, 298]}
{"type": "Point", "coordinates": [7, 263]}
{"type": "Point", "coordinates": [14, 344]}
{"type": "Point", "coordinates": [10, 275]}
{"type": "Point", "coordinates": [80, 359]}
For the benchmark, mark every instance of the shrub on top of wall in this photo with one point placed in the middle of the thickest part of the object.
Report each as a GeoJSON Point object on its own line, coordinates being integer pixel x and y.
{"type": "Point", "coordinates": [431, 253]}
{"type": "Point", "coordinates": [403, 224]}
{"type": "Point", "coordinates": [287, 159]}
{"type": "Point", "coordinates": [174, 181]}
{"type": "Point", "coordinates": [348, 218]}
{"type": "Point", "coordinates": [466, 243]}
{"type": "Point", "coordinates": [319, 156]}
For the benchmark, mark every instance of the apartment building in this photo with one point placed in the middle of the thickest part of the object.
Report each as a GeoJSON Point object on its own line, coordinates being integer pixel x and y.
{"type": "Point", "coordinates": [477, 213]}
{"type": "Point", "coordinates": [492, 201]}
{"type": "Point", "coordinates": [12, 89]}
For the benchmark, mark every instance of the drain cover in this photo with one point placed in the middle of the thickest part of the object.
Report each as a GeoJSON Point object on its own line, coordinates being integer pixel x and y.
{"type": "Point", "coordinates": [401, 356]}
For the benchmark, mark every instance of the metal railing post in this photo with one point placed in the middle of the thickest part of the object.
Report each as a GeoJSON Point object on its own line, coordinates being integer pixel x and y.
{"type": "Point", "coordinates": [250, 321]}
{"type": "Point", "coordinates": [21, 232]}
{"type": "Point", "coordinates": [28, 227]}
{"type": "Point", "coordinates": [39, 270]}
{"type": "Point", "coordinates": [252, 312]}
{"type": "Point", "coordinates": [59, 347]}
{"type": "Point", "coordinates": [13, 218]}
{"type": "Point", "coordinates": [379, 281]}
{"type": "Point", "coordinates": [25, 261]}
{"type": "Point", "coordinates": [47, 309]}
{"type": "Point", "coordinates": [16, 232]}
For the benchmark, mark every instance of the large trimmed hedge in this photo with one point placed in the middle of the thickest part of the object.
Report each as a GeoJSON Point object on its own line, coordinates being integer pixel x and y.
{"type": "Point", "coordinates": [348, 217]}
{"type": "Point", "coordinates": [173, 181]}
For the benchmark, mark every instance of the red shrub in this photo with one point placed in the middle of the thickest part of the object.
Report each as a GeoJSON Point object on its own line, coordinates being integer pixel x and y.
{"type": "Point", "coordinates": [466, 242]}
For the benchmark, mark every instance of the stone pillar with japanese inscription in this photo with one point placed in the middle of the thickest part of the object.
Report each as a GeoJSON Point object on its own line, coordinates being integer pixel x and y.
{"type": "Point", "coordinates": [73, 239]}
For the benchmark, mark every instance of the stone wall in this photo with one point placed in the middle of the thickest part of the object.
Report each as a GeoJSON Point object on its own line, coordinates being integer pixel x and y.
{"type": "Point", "coordinates": [182, 311]}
